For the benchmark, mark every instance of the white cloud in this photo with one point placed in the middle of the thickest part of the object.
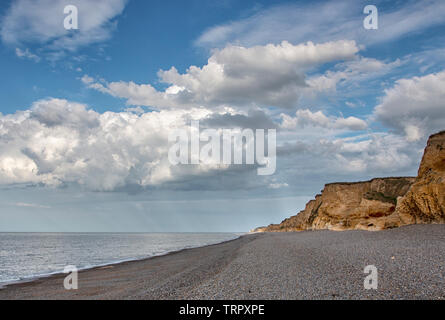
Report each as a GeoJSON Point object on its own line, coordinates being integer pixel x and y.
{"type": "Point", "coordinates": [87, 79]}
{"type": "Point", "coordinates": [26, 54]}
{"type": "Point", "coordinates": [376, 152]}
{"type": "Point", "coordinates": [414, 107]}
{"type": "Point", "coordinates": [319, 119]}
{"type": "Point", "coordinates": [278, 185]}
{"type": "Point", "coordinates": [353, 158]}
{"type": "Point", "coordinates": [326, 21]}
{"type": "Point", "coordinates": [236, 76]}
{"type": "Point", "coordinates": [58, 142]}
{"type": "Point", "coordinates": [41, 23]}
{"type": "Point", "coordinates": [350, 123]}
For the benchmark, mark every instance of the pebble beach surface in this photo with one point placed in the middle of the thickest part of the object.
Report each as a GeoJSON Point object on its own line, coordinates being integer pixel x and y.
{"type": "Point", "coordinates": [306, 265]}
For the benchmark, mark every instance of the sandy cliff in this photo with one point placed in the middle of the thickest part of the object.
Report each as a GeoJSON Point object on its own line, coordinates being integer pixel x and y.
{"type": "Point", "coordinates": [425, 200]}
{"type": "Point", "coordinates": [380, 203]}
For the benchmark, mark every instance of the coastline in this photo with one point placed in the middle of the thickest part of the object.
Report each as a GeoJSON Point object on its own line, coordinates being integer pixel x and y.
{"type": "Point", "coordinates": [295, 265]}
{"type": "Point", "coordinates": [33, 278]}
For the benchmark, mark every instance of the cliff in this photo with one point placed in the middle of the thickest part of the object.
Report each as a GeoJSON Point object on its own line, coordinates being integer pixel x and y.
{"type": "Point", "coordinates": [361, 205]}
{"type": "Point", "coordinates": [380, 203]}
{"type": "Point", "coordinates": [425, 200]}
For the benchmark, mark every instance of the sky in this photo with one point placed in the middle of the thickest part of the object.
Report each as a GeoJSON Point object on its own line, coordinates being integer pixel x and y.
{"type": "Point", "coordinates": [86, 113]}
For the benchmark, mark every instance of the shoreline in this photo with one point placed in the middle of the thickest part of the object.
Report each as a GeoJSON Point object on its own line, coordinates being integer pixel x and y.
{"type": "Point", "coordinates": [33, 278]}
{"type": "Point", "coordinates": [261, 266]}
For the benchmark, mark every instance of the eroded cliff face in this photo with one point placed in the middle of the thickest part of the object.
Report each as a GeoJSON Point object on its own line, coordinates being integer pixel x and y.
{"type": "Point", "coordinates": [380, 203]}
{"type": "Point", "coordinates": [366, 205]}
{"type": "Point", "coordinates": [425, 201]}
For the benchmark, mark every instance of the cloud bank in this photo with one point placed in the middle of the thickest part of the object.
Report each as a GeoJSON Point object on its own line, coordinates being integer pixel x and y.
{"type": "Point", "coordinates": [57, 143]}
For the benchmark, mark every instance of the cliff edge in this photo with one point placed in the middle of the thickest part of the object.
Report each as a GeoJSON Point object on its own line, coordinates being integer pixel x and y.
{"type": "Point", "coordinates": [425, 200]}
{"type": "Point", "coordinates": [380, 203]}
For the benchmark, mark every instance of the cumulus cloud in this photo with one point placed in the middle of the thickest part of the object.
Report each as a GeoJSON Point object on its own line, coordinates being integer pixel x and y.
{"type": "Point", "coordinates": [57, 142]}
{"type": "Point", "coordinates": [236, 76]}
{"type": "Point", "coordinates": [41, 23]}
{"type": "Point", "coordinates": [415, 106]}
{"type": "Point", "coordinates": [319, 119]}
{"type": "Point", "coordinates": [325, 21]}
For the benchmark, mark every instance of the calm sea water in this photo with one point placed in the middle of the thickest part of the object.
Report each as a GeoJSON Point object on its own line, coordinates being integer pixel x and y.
{"type": "Point", "coordinates": [24, 256]}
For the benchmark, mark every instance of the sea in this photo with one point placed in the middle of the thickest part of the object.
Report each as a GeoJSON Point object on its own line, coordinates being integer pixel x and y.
{"type": "Point", "coordinates": [27, 256]}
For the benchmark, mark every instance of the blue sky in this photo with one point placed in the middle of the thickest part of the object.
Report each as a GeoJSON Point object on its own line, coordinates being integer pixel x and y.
{"type": "Point", "coordinates": [157, 35]}
{"type": "Point", "coordinates": [85, 113]}
{"type": "Point", "coordinates": [150, 35]}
